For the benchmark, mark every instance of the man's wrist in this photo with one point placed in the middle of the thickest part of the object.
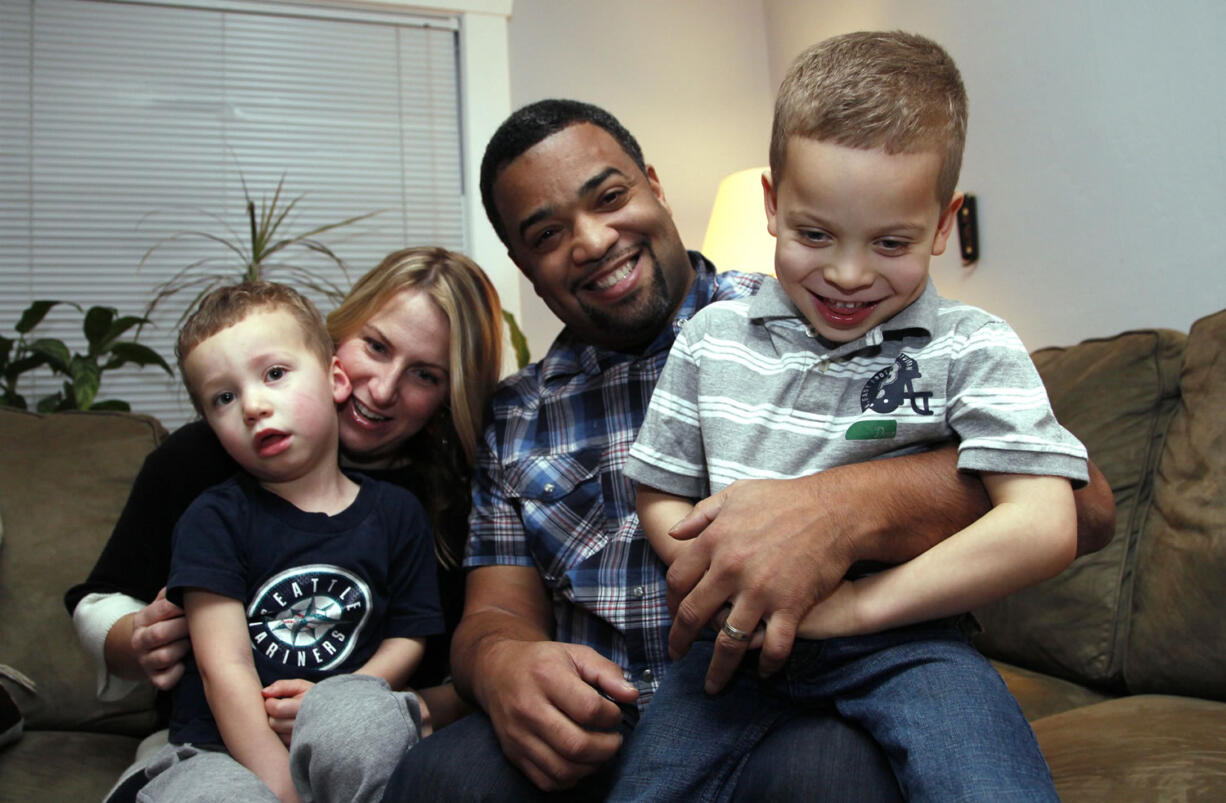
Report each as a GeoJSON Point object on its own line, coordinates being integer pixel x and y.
{"type": "Point", "coordinates": [856, 526]}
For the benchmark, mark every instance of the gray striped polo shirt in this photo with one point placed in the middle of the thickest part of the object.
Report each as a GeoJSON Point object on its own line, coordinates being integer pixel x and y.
{"type": "Point", "coordinates": [750, 392]}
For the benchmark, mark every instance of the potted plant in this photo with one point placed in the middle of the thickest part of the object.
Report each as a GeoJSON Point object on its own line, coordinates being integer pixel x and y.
{"type": "Point", "coordinates": [82, 372]}
{"type": "Point", "coordinates": [261, 254]}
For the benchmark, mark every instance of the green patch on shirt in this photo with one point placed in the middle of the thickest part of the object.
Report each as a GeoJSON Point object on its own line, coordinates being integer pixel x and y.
{"type": "Point", "coordinates": [872, 430]}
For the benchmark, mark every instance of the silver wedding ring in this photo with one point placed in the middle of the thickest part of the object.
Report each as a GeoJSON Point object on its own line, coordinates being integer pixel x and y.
{"type": "Point", "coordinates": [735, 633]}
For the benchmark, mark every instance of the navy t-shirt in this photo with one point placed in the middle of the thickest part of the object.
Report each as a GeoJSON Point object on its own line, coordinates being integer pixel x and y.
{"type": "Point", "coordinates": [320, 592]}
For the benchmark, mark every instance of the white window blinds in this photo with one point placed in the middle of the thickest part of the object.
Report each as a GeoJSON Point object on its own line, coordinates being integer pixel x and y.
{"type": "Point", "coordinates": [124, 123]}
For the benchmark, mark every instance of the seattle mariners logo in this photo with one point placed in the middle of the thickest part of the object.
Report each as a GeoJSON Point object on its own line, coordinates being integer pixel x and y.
{"type": "Point", "coordinates": [890, 387]}
{"type": "Point", "coordinates": [309, 617]}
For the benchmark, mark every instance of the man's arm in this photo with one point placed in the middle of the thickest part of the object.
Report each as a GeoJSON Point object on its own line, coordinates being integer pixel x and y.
{"type": "Point", "coordinates": [218, 628]}
{"type": "Point", "coordinates": [776, 547]}
{"type": "Point", "coordinates": [543, 697]}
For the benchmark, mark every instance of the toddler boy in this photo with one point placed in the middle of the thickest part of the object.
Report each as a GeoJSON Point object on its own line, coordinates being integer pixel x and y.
{"type": "Point", "coordinates": [851, 355]}
{"type": "Point", "coordinates": [291, 569]}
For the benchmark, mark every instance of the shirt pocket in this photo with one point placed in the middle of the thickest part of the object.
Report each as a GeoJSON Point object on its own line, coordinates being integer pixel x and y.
{"type": "Point", "coordinates": [561, 503]}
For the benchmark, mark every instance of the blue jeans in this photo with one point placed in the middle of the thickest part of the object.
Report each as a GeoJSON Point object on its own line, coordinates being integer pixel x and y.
{"type": "Point", "coordinates": [942, 714]}
{"type": "Point", "coordinates": [812, 757]}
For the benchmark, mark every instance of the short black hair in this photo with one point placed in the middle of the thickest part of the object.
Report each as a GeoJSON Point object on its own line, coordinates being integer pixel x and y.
{"type": "Point", "coordinates": [530, 125]}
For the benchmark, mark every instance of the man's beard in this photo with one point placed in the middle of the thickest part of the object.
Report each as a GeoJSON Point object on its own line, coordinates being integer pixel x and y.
{"type": "Point", "coordinates": [637, 320]}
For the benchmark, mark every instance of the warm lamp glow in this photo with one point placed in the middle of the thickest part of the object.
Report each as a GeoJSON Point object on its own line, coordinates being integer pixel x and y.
{"type": "Point", "coordinates": [737, 238]}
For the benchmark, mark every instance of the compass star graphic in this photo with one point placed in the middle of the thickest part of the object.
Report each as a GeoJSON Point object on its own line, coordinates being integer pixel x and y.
{"type": "Point", "coordinates": [306, 621]}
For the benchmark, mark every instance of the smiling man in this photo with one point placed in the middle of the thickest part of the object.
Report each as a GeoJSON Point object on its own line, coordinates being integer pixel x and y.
{"type": "Point", "coordinates": [567, 624]}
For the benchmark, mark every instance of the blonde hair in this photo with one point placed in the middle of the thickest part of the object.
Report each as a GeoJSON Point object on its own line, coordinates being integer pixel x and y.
{"type": "Point", "coordinates": [225, 306]}
{"type": "Point", "coordinates": [895, 91]}
{"type": "Point", "coordinates": [465, 295]}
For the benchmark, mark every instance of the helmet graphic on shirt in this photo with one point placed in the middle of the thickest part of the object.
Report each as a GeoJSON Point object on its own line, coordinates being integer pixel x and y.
{"type": "Point", "coordinates": [309, 617]}
{"type": "Point", "coordinates": [891, 386]}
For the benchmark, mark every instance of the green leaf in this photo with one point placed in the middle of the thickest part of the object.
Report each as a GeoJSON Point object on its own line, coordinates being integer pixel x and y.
{"type": "Point", "coordinates": [34, 315]}
{"type": "Point", "coordinates": [56, 353]}
{"type": "Point", "coordinates": [28, 363]}
{"type": "Point", "coordinates": [6, 351]}
{"type": "Point", "coordinates": [112, 404]}
{"type": "Point", "coordinates": [118, 327]}
{"type": "Point", "coordinates": [97, 324]}
{"type": "Point", "coordinates": [12, 398]}
{"type": "Point", "coordinates": [518, 342]}
{"type": "Point", "coordinates": [129, 352]}
{"type": "Point", "coordinates": [86, 377]}
{"type": "Point", "coordinates": [52, 403]}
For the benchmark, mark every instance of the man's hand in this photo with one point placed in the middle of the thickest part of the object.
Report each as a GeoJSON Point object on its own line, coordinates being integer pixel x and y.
{"type": "Point", "coordinates": [282, 699]}
{"type": "Point", "coordinates": [544, 700]}
{"type": "Point", "coordinates": [159, 641]}
{"type": "Point", "coordinates": [768, 546]}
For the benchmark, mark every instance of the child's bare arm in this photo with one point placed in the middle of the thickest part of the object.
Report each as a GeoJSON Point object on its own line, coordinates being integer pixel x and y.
{"type": "Point", "coordinates": [658, 512]}
{"type": "Point", "coordinates": [395, 660]}
{"type": "Point", "coordinates": [1030, 534]}
{"type": "Point", "coordinates": [218, 629]}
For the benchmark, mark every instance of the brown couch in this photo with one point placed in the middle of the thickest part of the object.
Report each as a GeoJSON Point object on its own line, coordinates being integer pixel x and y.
{"type": "Point", "coordinates": [63, 480]}
{"type": "Point", "coordinates": [1120, 662]}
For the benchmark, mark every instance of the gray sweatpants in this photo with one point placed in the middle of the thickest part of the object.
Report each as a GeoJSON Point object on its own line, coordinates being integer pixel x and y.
{"type": "Point", "coordinates": [350, 733]}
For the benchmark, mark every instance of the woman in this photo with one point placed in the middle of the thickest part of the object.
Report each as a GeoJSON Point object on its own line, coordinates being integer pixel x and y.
{"type": "Point", "coordinates": [420, 338]}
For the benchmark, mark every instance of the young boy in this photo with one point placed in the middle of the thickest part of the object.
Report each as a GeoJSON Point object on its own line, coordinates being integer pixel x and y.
{"type": "Point", "coordinates": [851, 355]}
{"type": "Point", "coordinates": [292, 569]}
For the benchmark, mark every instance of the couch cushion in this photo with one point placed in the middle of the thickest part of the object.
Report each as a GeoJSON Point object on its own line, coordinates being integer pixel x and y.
{"type": "Point", "coordinates": [57, 766]}
{"type": "Point", "coordinates": [1117, 395]}
{"type": "Point", "coordinates": [63, 481]}
{"type": "Point", "coordinates": [1141, 748]}
{"type": "Point", "coordinates": [1042, 695]}
{"type": "Point", "coordinates": [1177, 643]}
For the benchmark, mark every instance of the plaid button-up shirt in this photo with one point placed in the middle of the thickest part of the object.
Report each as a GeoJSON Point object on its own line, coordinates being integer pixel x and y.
{"type": "Point", "coordinates": [549, 490]}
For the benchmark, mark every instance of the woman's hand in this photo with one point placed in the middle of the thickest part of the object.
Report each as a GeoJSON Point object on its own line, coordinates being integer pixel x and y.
{"type": "Point", "coordinates": [282, 699]}
{"type": "Point", "coordinates": [158, 641]}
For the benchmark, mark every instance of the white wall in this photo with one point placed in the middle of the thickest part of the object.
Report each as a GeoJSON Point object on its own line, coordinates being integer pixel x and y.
{"type": "Point", "coordinates": [688, 78]}
{"type": "Point", "coordinates": [1097, 150]}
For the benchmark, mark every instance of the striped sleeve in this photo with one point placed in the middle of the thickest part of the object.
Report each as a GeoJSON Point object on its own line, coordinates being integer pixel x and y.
{"type": "Point", "coordinates": [1000, 410]}
{"type": "Point", "coordinates": [668, 452]}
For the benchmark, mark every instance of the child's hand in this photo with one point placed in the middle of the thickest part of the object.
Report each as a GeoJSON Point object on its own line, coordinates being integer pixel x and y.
{"type": "Point", "coordinates": [833, 617]}
{"type": "Point", "coordinates": [282, 699]}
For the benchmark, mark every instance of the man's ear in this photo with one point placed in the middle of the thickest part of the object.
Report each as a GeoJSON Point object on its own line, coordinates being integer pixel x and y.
{"type": "Point", "coordinates": [657, 190]}
{"type": "Point", "coordinates": [341, 386]}
{"type": "Point", "coordinates": [945, 225]}
{"type": "Point", "coordinates": [771, 202]}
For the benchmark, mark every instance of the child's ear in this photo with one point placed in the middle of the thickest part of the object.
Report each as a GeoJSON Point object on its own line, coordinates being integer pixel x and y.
{"type": "Point", "coordinates": [768, 198]}
{"type": "Point", "coordinates": [945, 225]}
{"type": "Point", "coordinates": [341, 387]}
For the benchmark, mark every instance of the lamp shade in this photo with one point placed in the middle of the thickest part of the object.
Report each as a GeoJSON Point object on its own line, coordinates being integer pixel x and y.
{"type": "Point", "coordinates": [737, 238]}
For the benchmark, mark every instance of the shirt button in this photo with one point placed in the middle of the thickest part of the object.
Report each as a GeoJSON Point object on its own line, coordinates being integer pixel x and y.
{"type": "Point", "coordinates": [648, 676]}
{"type": "Point", "coordinates": [549, 486]}
{"type": "Point", "coordinates": [638, 591]}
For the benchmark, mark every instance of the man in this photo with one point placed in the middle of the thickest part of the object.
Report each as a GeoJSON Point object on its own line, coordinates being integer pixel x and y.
{"type": "Point", "coordinates": [566, 629]}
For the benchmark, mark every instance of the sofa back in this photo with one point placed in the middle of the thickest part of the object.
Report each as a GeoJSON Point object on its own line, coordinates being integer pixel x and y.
{"type": "Point", "coordinates": [63, 480]}
{"type": "Point", "coordinates": [1140, 614]}
{"type": "Point", "coordinates": [1177, 637]}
